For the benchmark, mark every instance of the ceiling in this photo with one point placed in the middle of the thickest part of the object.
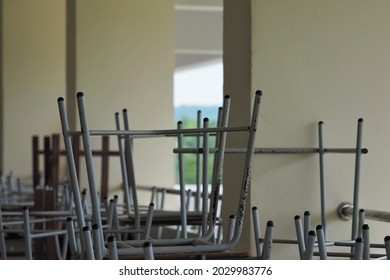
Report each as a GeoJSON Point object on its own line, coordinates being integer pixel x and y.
{"type": "Point", "coordinates": [198, 32]}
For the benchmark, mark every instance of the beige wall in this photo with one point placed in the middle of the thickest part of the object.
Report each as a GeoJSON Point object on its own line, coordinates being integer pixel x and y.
{"type": "Point", "coordinates": [124, 59]}
{"type": "Point", "coordinates": [33, 76]}
{"type": "Point", "coordinates": [237, 84]}
{"type": "Point", "coordinates": [320, 60]}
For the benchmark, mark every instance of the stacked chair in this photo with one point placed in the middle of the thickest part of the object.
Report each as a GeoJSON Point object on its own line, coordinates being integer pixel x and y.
{"type": "Point", "coordinates": [67, 222]}
{"type": "Point", "coordinates": [312, 242]}
{"type": "Point", "coordinates": [120, 232]}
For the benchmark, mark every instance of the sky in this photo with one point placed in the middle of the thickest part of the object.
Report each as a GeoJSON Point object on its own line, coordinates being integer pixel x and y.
{"type": "Point", "coordinates": [201, 86]}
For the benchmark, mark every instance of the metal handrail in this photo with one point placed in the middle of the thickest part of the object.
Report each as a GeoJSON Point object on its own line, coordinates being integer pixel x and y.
{"type": "Point", "coordinates": [345, 212]}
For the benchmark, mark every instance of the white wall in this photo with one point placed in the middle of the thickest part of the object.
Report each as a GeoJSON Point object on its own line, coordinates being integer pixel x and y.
{"type": "Point", "coordinates": [319, 61]}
